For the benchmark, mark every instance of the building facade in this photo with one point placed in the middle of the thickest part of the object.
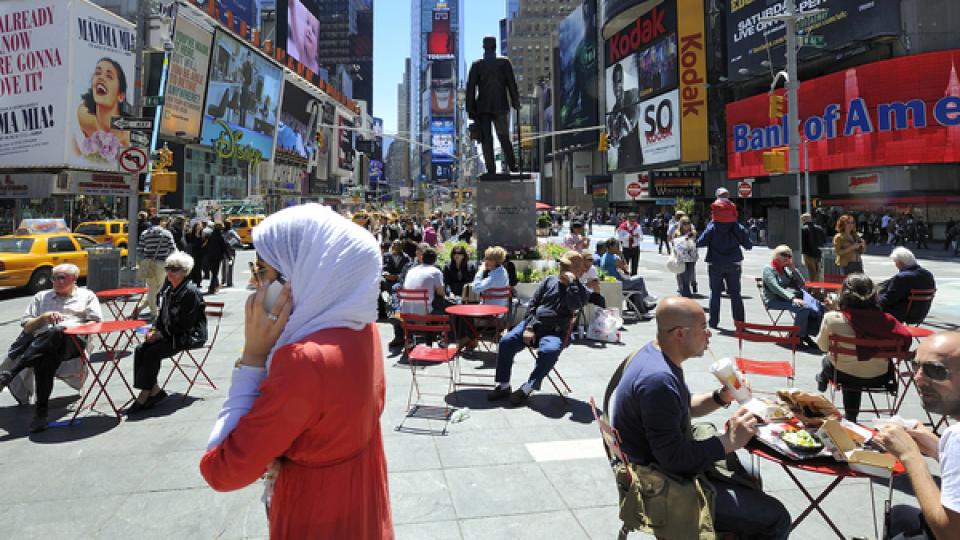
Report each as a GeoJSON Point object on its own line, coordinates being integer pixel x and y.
{"type": "Point", "coordinates": [533, 30]}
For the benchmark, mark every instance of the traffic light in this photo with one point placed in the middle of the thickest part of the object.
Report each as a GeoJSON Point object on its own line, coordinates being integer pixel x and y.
{"type": "Point", "coordinates": [775, 161]}
{"type": "Point", "coordinates": [604, 144]}
{"type": "Point", "coordinates": [776, 106]}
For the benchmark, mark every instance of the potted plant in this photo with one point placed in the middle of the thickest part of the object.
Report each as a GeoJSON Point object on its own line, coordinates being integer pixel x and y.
{"type": "Point", "coordinates": [612, 290]}
{"type": "Point", "coordinates": [543, 225]}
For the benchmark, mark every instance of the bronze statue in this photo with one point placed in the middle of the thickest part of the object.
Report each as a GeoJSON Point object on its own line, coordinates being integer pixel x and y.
{"type": "Point", "coordinates": [491, 92]}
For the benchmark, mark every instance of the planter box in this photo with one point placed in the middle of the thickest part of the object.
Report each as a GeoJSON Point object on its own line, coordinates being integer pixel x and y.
{"type": "Point", "coordinates": [543, 232]}
{"type": "Point", "coordinates": [612, 292]}
{"type": "Point", "coordinates": [525, 291]}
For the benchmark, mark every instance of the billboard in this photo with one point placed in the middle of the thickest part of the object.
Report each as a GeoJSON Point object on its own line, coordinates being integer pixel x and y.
{"type": "Point", "coordinates": [296, 131]}
{"type": "Point", "coordinates": [442, 40]}
{"type": "Point", "coordinates": [243, 10]}
{"type": "Point", "coordinates": [66, 70]}
{"type": "Point", "coordinates": [577, 83]}
{"type": "Point", "coordinates": [751, 41]}
{"type": "Point", "coordinates": [443, 100]}
{"type": "Point", "coordinates": [659, 130]}
{"type": "Point", "coordinates": [442, 125]}
{"type": "Point", "coordinates": [897, 112]}
{"type": "Point", "coordinates": [298, 26]}
{"type": "Point", "coordinates": [695, 143]}
{"type": "Point", "coordinates": [243, 93]}
{"type": "Point", "coordinates": [344, 146]}
{"type": "Point", "coordinates": [442, 146]}
{"type": "Point", "coordinates": [186, 80]}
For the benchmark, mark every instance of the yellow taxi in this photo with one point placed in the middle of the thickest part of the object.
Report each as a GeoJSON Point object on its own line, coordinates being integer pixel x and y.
{"type": "Point", "coordinates": [105, 232]}
{"type": "Point", "coordinates": [361, 218]}
{"type": "Point", "coordinates": [243, 225]}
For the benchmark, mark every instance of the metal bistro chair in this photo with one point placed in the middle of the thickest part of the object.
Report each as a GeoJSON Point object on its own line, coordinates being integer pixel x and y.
{"type": "Point", "coordinates": [890, 349]}
{"type": "Point", "coordinates": [919, 296]}
{"type": "Point", "coordinates": [779, 334]}
{"type": "Point", "coordinates": [437, 327]}
{"type": "Point", "coordinates": [215, 312]}
{"type": "Point", "coordinates": [761, 294]}
{"type": "Point", "coordinates": [494, 327]}
{"type": "Point", "coordinates": [566, 343]}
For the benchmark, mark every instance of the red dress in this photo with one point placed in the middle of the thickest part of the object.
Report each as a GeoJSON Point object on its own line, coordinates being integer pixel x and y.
{"type": "Point", "coordinates": [319, 409]}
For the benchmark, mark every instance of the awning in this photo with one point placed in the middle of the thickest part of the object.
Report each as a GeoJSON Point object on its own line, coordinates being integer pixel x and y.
{"type": "Point", "coordinates": [888, 200]}
{"type": "Point", "coordinates": [543, 206]}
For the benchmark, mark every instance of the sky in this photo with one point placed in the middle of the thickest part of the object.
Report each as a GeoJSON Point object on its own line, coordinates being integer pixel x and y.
{"type": "Point", "coordinates": [391, 45]}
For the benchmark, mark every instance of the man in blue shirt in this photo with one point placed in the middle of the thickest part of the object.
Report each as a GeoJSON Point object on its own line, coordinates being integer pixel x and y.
{"type": "Point", "coordinates": [724, 242]}
{"type": "Point", "coordinates": [612, 264]}
{"type": "Point", "coordinates": [652, 412]}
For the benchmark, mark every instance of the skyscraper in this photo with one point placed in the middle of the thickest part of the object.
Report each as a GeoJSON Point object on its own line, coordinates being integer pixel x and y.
{"type": "Point", "coordinates": [435, 75]}
{"type": "Point", "coordinates": [346, 45]}
{"type": "Point", "coordinates": [532, 36]}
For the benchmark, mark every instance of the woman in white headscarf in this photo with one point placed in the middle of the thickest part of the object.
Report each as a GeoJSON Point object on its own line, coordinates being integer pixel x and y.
{"type": "Point", "coordinates": [307, 394]}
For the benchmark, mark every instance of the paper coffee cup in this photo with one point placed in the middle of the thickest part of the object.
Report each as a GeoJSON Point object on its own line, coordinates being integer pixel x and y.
{"type": "Point", "coordinates": [725, 371]}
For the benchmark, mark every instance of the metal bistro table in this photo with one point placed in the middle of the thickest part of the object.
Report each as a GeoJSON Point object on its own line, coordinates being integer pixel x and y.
{"type": "Point", "coordinates": [825, 285]}
{"type": "Point", "coordinates": [111, 299]}
{"type": "Point", "coordinates": [109, 358]}
{"type": "Point", "coordinates": [469, 312]}
{"type": "Point", "coordinates": [826, 466]}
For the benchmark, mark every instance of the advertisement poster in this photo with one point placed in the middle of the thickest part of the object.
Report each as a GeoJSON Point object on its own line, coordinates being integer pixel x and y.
{"type": "Point", "coordinates": [345, 152]}
{"type": "Point", "coordinates": [300, 31]}
{"type": "Point", "coordinates": [660, 128]}
{"type": "Point", "coordinates": [695, 143]}
{"type": "Point", "coordinates": [442, 146]}
{"type": "Point", "coordinates": [577, 83]}
{"type": "Point", "coordinates": [902, 111]}
{"type": "Point", "coordinates": [295, 132]}
{"type": "Point", "coordinates": [622, 118]}
{"type": "Point", "coordinates": [845, 22]}
{"type": "Point", "coordinates": [101, 86]}
{"type": "Point", "coordinates": [443, 100]}
{"type": "Point", "coordinates": [34, 81]}
{"type": "Point", "coordinates": [240, 113]}
{"type": "Point", "coordinates": [186, 80]}
{"type": "Point", "coordinates": [243, 10]}
{"type": "Point", "coordinates": [442, 40]}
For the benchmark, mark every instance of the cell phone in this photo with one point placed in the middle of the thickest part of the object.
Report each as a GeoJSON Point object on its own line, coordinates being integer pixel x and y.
{"type": "Point", "coordinates": [273, 292]}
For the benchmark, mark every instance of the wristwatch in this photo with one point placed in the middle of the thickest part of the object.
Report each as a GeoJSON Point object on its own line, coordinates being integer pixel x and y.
{"type": "Point", "coordinates": [719, 400]}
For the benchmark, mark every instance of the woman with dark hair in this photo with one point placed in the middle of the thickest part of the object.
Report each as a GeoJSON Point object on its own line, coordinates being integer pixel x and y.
{"type": "Point", "coordinates": [104, 100]}
{"type": "Point", "coordinates": [459, 271]}
{"type": "Point", "coordinates": [860, 316]}
{"type": "Point", "coordinates": [848, 246]}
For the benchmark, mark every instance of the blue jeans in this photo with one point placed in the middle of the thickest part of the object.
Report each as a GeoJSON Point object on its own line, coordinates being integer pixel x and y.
{"type": "Point", "coordinates": [907, 523]}
{"type": "Point", "coordinates": [686, 278]}
{"type": "Point", "coordinates": [511, 343]}
{"type": "Point", "coordinates": [807, 316]}
{"type": "Point", "coordinates": [750, 513]}
{"type": "Point", "coordinates": [726, 276]}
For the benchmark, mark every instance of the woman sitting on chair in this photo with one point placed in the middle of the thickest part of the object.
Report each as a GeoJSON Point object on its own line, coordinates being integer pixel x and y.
{"type": "Point", "coordinates": [459, 271]}
{"type": "Point", "coordinates": [860, 316]}
{"type": "Point", "coordinates": [783, 288]}
{"type": "Point", "coordinates": [494, 275]}
{"type": "Point", "coordinates": [181, 325]}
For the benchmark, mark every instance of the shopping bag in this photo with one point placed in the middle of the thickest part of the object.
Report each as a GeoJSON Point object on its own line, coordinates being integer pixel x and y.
{"type": "Point", "coordinates": [605, 326]}
{"type": "Point", "coordinates": [673, 265]}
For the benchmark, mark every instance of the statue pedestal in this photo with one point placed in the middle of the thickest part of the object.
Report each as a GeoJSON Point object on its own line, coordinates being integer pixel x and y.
{"type": "Point", "coordinates": [505, 212]}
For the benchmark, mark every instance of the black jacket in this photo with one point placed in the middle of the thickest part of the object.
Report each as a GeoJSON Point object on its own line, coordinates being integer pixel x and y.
{"type": "Point", "coordinates": [456, 278]}
{"type": "Point", "coordinates": [395, 268]}
{"type": "Point", "coordinates": [895, 294]}
{"type": "Point", "coordinates": [812, 236]}
{"type": "Point", "coordinates": [491, 87]}
{"type": "Point", "coordinates": [183, 315]}
{"type": "Point", "coordinates": [215, 247]}
{"type": "Point", "coordinates": [553, 305]}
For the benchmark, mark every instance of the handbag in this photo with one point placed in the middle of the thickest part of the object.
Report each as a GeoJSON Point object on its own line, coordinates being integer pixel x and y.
{"type": "Point", "coordinates": [674, 265]}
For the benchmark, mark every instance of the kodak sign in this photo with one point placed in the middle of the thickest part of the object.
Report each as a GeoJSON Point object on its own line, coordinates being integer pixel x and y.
{"type": "Point", "coordinates": [694, 145]}
{"type": "Point", "coordinates": [638, 35]}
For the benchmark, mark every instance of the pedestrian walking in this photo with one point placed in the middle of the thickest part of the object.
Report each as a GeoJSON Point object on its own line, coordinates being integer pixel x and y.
{"type": "Point", "coordinates": [155, 245]}
{"type": "Point", "coordinates": [234, 243]}
{"type": "Point", "coordinates": [195, 244]}
{"type": "Point", "coordinates": [812, 237]}
{"type": "Point", "coordinates": [630, 234]}
{"type": "Point", "coordinates": [725, 243]}
{"type": "Point", "coordinates": [848, 246]}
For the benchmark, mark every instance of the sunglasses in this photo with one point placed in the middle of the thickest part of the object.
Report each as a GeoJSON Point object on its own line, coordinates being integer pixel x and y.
{"type": "Point", "coordinates": [61, 277]}
{"type": "Point", "coordinates": [173, 269]}
{"type": "Point", "coordinates": [787, 255]}
{"type": "Point", "coordinates": [935, 371]}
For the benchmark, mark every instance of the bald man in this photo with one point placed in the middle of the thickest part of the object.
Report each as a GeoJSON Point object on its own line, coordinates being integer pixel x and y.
{"type": "Point", "coordinates": [653, 409]}
{"type": "Point", "coordinates": [938, 379]}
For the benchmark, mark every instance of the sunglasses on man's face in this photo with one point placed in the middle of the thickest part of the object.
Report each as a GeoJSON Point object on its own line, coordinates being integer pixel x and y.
{"type": "Point", "coordinates": [787, 255]}
{"type": "Point", "coordinates": [62, 277]}
{"type": "Point", "coordinates": [935, 371]}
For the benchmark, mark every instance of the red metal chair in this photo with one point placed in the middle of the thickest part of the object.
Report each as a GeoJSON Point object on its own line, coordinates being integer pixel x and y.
{"type": "Point", "coordinates": [566, 342]}
{"type": "Point", "coordinates": [412, 297]}
{"type": "Point", "coordinates": [918, 296]}
{"type": "Point", "coordinates": [889, 349]}
{"type": "Point", "coordinates": [215, 312]}
{"type": "Point", "coordinates": [779, 334]}
{"type": "Point", "coordinates": [436, 328]}
{"type": "Point", "coordinates": [761, 294]}
{"type": "Point", "coordinates": [499, 324]}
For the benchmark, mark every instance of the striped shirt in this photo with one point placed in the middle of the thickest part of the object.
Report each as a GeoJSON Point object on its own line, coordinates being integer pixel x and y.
{"type": "Point", "coordinates": [156, 243]}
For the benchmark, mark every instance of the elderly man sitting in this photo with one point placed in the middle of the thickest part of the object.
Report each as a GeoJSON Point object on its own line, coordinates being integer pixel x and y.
{"type": "Point", "coordinates": [42, 345]}
{"type": "Point", "coordinates": [548, 316]}
{"type": "Point", "coordinates": [895, 292]}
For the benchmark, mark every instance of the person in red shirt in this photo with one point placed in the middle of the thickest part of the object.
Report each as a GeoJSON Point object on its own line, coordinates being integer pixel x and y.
{"type": "Point", "coordinates": [723, 210]}
{"type": "Point", "coordinates": [630, 234]}
{"type": "Point", "coordinates": [306, 397]}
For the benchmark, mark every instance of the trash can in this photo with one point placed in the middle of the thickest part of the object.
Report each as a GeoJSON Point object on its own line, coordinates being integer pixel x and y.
{"type": "Point", "coordinates": [103, 268]}
{"type": "Point", "coordinates": [831, 272]}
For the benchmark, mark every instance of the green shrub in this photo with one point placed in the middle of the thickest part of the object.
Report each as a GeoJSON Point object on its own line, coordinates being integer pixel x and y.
{"type": "Point", "coordinates": [544, 222]}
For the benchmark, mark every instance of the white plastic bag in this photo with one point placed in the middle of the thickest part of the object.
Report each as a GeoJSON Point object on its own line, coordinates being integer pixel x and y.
{"type": "Point", "coordinates": [674, 265]}
{"type": "Point", "coordinates": [605, 326]}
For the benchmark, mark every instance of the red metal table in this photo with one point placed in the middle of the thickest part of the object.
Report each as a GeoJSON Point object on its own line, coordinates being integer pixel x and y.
{"type": "Point", "coordinates": [111, 298]}
{"type": "Point", "coordinates": [469, 312]}
{"type": "Point", "coordinates": [111, 359]}
{"type": "Point", "coordinates": [827, 466]}
{"type": "Point", "coordinates": [825, 285]}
